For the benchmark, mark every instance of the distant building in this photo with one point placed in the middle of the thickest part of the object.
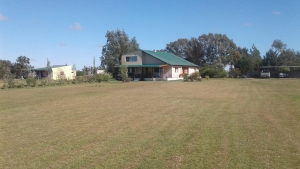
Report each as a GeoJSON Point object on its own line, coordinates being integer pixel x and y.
{"type": "Point", "coordinates": [55, 72]}
{"type": "Point", "coordinates": [100, 71]}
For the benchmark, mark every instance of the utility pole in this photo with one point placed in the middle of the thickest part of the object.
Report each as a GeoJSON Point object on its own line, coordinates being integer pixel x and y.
{"type": "Point", "coordinates": [94, 66]}
{"type": "Point", "coordinates": [100, 62]}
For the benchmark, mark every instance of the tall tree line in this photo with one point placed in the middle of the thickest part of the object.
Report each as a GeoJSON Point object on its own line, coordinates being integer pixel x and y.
{"type": "Point", "coordinates": [206, 49]}
{"type": "Point", "coordinates": [216, 50]}
{"type": "Point", "coordinates": [280, 55]}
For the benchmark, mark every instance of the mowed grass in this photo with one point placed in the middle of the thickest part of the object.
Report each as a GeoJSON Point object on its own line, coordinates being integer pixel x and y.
{"type": "Point", "coordinates": [220, 123]}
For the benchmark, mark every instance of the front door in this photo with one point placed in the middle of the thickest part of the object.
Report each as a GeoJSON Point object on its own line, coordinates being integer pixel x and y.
{"type": "Point", "coordinates": [185, 70]}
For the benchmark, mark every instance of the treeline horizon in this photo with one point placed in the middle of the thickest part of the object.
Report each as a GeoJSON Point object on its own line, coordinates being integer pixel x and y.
{"type": "Point", "coordinates": [208, 50]}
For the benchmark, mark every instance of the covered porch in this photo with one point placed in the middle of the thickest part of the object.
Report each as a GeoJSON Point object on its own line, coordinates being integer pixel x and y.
{"type": "Point", "coordinates": [153, 72]}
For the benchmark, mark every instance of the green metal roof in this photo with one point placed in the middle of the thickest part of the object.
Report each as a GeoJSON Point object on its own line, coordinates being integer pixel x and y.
{"type": "Point", "coordinates": [47, 68]}
{"type": "Point", "coordinates": [170, 58]}
{"type": "Point", "coordinates": [149, 65]}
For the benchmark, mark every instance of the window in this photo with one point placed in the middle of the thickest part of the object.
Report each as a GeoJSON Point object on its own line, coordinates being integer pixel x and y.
{"type": "Point", "coordinates": [131, 58]}
{"type": "Point", "coordinates": [176, 69]}
{"type": "Point", "coordinates": [131, 70]}
{"type": "Point", "coordinates": [156, 69]}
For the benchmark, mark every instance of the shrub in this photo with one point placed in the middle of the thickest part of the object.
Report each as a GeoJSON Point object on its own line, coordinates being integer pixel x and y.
{"type": "Point", "coordinates": [20, 85]}
{"type": "Point", "coordinates": [74, 81]}
{"type": "Point", "coordinates": [194, 76]}
{"type": "Point", "coordinates": [31, 81]}
{"type": "Point", "coordinates": [234, 73]}
{"type": "Point", "coordinates": [215, 70]}
{"type": "Point", "coordinates": [185, 77]}
{"type": "Point", "coordinates": [3, 85]}
{"type": "Point", "coordinates": [79, 79]}
{"type": "Point", "coordinates": [59, 81]}
{"type": "Point", "coordinates": [11, 83]}
{"type": "Point", "coordinates": [89, 79]}
{"type": "Point", "coordinates": [106, 76]}
{"type": "Point", "coordinates": [44, 82]}
{"type": "Point", "coordinates": [103, 77]}
{"type": "Point", "coordinates": [123, 73]}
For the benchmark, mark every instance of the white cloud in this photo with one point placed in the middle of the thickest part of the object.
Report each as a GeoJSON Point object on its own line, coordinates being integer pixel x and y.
{"type": "Point", "coordinates": [76, 27]}
{"type": "Point", "coordinates": [63, 44]}
{"type": "Point", "coordinates": [277, 13]}
{"type": "Point", "coordinates": [2, 18]}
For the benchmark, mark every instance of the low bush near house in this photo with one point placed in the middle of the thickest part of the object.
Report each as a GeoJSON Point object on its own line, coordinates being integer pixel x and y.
{"type": "Point", "coordinates": [194, 76]}
{"type": "Point", "coordinates": [20, 84]}
{"type": "Point", "coordinates": [11, 83]}
{"type": "Point", "coordinates": [103, 77]}
{"type": "Point", "coordinates": [185, 77]}
{"type": "Point", "coordinates": [3, 86]}
{"type": "Point", "coordinates": [31, 81]}
{"type": "Point", "coordinates": [44, 82]}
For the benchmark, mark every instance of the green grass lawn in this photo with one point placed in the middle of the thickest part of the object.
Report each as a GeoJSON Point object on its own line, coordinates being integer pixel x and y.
{"type": "Point", "coordinates": [220, 123]}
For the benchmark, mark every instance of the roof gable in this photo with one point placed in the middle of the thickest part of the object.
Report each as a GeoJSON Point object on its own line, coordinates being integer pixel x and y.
{"type": "Point", "coordinates": [169, 58]}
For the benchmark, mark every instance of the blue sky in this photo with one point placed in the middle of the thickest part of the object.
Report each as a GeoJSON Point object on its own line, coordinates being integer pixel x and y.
{"type": "Point", "coordinates": [73, 31]}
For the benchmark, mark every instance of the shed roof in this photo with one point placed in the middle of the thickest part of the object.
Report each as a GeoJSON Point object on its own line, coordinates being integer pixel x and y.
{"type": "Point", "coordinates": [170, 58]}
{"type": "Point", "coordinates": [47, 68]}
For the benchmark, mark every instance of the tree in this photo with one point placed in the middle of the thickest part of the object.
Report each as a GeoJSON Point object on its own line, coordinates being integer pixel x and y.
{"type": "Point", "coordinates": [271, 58]}
{"type": "Point", "coordinates": [86, 70]}
{"type": "Point", "coordinates": [48, 63]}
{"type": "Point", "coordinates": [5, 68]}
{"type": "Point", "coordinates": [298, 54]}
{"type": "Point", "coordinates": [21, 67]}
{"type": "Point", "coordinates": [280, 55]}
{"type": "Point", "coordinates": [243, 65]}
{"type": "Point", "coordinates": [234, 72]}
{"type": "Point", "coordinates": [206, 49]}
{"type": "Point", "coordinates": [278, 46]}
{"type": "Point", "coordinates": [215, 70]}
{"type": "Point", "coordinates": [178, 47]}
{"type": "Point", "coordinates": [255, 58]}
{"type": "Point", "coordinates": [117, 44]}
{"type": "Point", "coordinates": [288, 57]}
{"type": "Point", "coordinates": [79, 73]}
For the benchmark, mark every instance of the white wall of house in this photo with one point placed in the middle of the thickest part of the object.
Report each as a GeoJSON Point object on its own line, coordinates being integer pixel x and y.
{"type": "Point", "coordinates": [193, 69]}
{"type": "Point", "coordinates": [65, 72]}
{"type": "Point", "coordinates": [176, 71]}
{"type": "Point", "coordinates": [167, 70]}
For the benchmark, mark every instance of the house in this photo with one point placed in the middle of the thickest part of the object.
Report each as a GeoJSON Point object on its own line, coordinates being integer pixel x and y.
{"type": "Point", "coordinates": [55, 72]}
{"type": "Point", "coordinates": [154, 65]}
